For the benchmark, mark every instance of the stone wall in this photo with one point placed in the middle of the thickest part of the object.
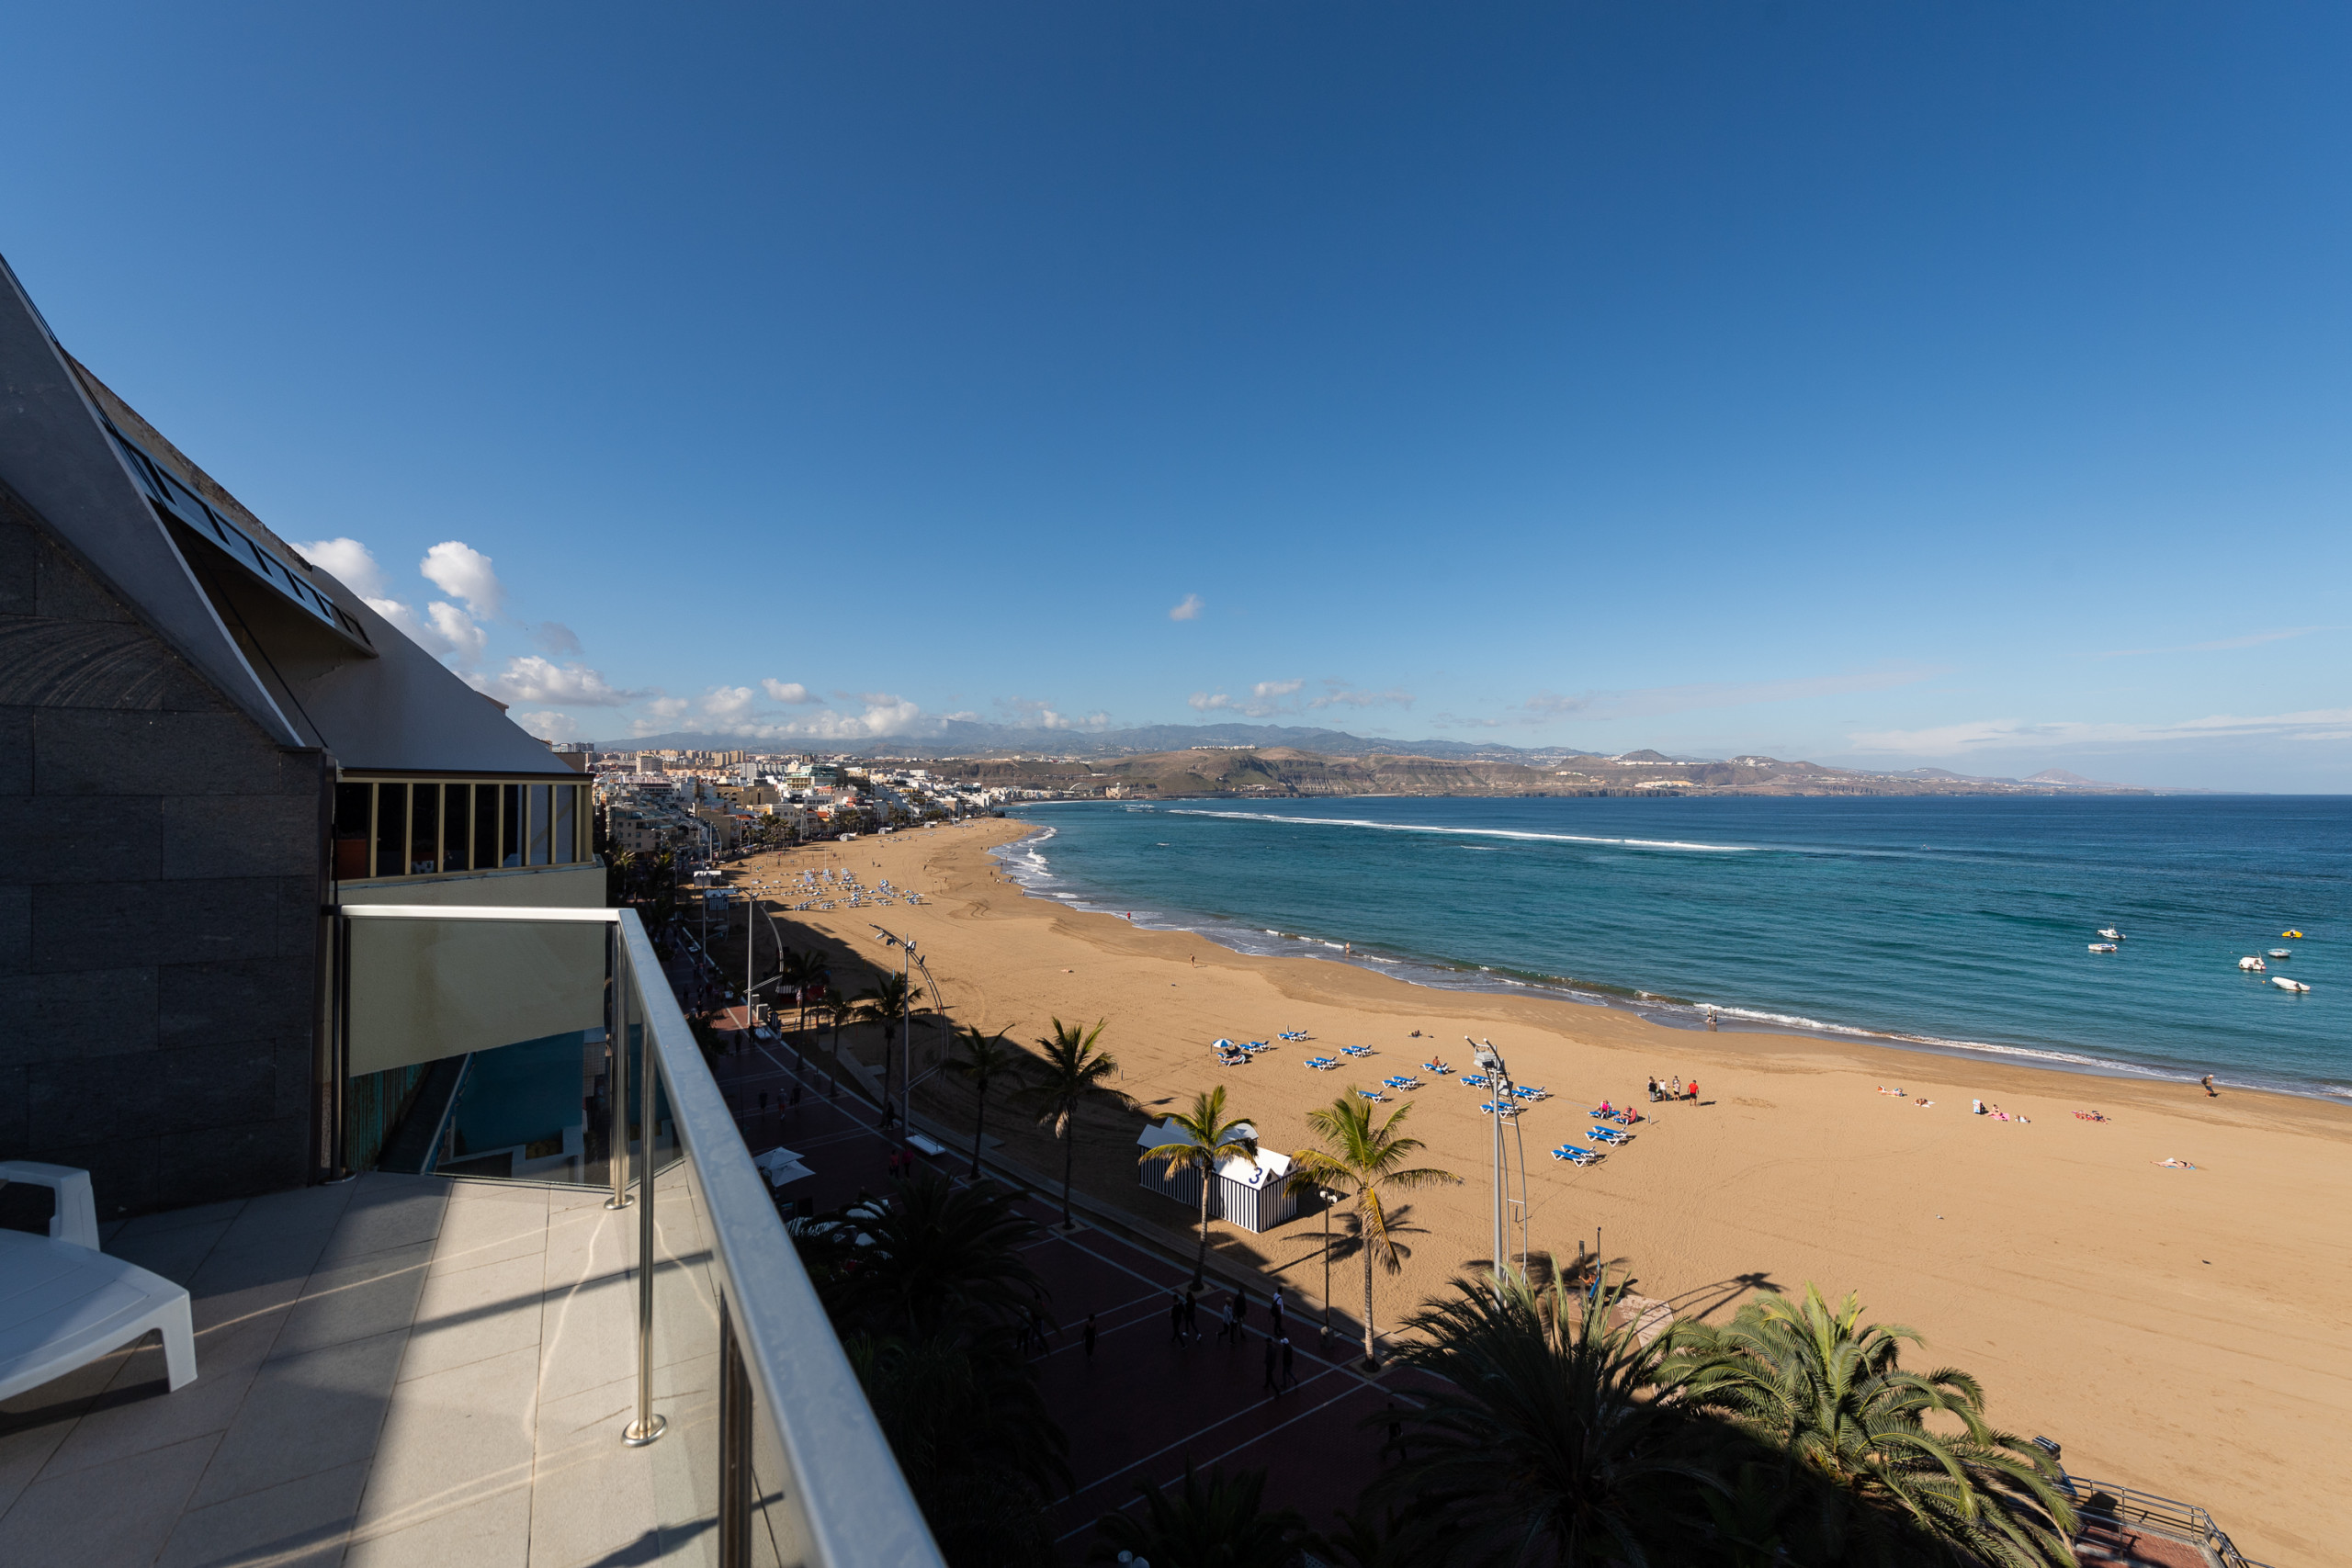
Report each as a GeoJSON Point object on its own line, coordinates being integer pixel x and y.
{"type": "Point", "coordinates": [160, 863]}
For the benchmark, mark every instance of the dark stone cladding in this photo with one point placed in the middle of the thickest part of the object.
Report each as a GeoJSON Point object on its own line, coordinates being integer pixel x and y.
{"type": "Point", "coordinates": [159, 893]}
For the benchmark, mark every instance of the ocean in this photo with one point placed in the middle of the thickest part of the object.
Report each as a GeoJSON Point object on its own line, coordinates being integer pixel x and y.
{"type": "Point", "coordinates": [1957, 924]}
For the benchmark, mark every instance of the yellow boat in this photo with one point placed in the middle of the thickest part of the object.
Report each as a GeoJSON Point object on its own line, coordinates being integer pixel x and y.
{"type": "Point", "coordinates": [2296, 935]}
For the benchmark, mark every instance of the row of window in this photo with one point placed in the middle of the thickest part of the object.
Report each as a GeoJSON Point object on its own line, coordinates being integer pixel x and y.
{"type": "Point", "coordinates": [420, 827]}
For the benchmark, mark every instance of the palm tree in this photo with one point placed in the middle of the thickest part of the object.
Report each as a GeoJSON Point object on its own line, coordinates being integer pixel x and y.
{"type": "Point", "coordinates": [1073, 1068]}
{"type": "Point", "coordinates": [800, 971]}
{"type": "Point", "coordinates": [886, 1002]}
{"type": "Point", "coordinates": [1829, 1392]}
{"type": "Point", "coordinates": [1362, 1159]}
{"type": "Point", "coordinates": [1208, 1141]}
{"type": "Point", "coordinates": [983, 1059]}
{"type": "Point", "coordinates": [1547, 1438]}
{"type": "Point", "coordinates": [935, 1259]}
{"type": "Point", "coordinates": [1219, 1525]}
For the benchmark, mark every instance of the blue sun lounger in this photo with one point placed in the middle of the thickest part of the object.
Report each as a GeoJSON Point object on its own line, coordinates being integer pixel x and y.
{"type": "Point", "coordinates": [1608, 1135]}
{"type": "Point", "coordinates": [1355, 1050]}
{"type": "Point", "coordinates": [1576, 1156]}
{"type": "Point", "coordinates": [1471, 1080]}
{"type": "Point", "coordinates": [1371, 1094]}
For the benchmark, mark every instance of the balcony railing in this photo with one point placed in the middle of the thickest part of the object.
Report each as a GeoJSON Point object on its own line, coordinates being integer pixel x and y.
{"type": "Point", "coordinates": [766, 1451]}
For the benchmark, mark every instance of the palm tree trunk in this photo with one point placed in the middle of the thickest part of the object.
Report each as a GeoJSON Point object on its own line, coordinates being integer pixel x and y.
{"type": "Point", "coordinates": [1069, 1156]}
{"type": "Point", "coordinates": [1370, 1360]}
{"type": "Point", "coordinates": [1201, 1258]}
{"type": "Point", "coordinates": [980, 1128]}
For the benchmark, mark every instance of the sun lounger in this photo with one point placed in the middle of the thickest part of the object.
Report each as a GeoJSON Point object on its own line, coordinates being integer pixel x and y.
{"type": "Point", "coordinates": [1608, 1135]}
{"type": "Point", "coordinates": [1576, 1156]}
{"type": "Point", "coordinates": [68, 1303]}
{"type": "Point", "coordinates": [1355, 1050]}
{"type": "Point", "coordinates": [1499, 1108]}
{"type": "Point", "coordinates": [1440, 1068]}
{"type": "Point", "coordinates": [1371, 1094]}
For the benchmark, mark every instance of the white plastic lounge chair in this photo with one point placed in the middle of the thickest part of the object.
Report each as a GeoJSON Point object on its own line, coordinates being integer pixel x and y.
{"type": "Point", "coordinates": [65, 1303]}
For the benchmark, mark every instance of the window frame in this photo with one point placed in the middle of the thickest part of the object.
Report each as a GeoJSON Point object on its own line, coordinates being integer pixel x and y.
{"type": "Point", "coordinates": [494, 797]}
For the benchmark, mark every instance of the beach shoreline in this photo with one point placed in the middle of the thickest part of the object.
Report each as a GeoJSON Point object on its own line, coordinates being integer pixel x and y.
{"type": "Point", "coordinates": [2180, 1331]}
{"type": "Point", "coordinates": [1662, 1009]}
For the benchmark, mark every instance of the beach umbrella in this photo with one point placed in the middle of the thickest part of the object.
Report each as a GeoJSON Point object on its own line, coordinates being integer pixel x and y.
{"type": "Point", "coordinates": [1225, 1045]}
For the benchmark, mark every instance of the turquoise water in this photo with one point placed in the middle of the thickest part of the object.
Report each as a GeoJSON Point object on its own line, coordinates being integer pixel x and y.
{"type": "Point", "coordinates": [1954, 924]}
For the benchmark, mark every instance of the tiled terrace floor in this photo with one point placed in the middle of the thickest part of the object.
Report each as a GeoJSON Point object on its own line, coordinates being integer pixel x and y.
{"type": "Point", "coordinates": [396, 1370]}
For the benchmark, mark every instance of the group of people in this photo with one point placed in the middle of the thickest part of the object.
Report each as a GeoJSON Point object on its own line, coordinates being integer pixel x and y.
{"type": "Point", "coordinates": [1660, 1089]}
{"type": "Point", "coordinates": [1184, 1327]}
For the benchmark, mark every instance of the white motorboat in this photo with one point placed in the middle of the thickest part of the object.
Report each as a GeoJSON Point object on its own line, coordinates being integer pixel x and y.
{"type": "Point", "coordinates": [2252, 965]}
{"type": "Point", "coordinates": [2102, 947]}
{"type": "Point", "coordinates": [2284, 983]}
{"type": "Point", "coordinates": [2281, 953]}
{"type": "Point", "coordinates": [2110, 934]}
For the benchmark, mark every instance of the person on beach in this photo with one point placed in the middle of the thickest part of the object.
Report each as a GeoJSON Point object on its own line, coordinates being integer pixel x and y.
{"type": "Point", "coordinates": [2210, 1092]}
{"type": "Point", "coordinates": [1690, 1091]}
{"type": "Point", "coordinates": [1678, 1086]}
{"type": "Point", "coordinates": [1653, 1091]}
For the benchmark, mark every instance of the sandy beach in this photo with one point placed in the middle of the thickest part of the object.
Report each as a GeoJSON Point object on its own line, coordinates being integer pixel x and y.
{"type": "Point", "coordinates": [2185, 1332]}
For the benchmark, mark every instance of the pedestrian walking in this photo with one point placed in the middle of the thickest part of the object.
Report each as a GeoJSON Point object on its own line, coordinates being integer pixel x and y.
{"type": "Point", "coordinates": [1274, 1308]}
{"type": "Point", "coordinates": [1396, 1432]}
{"type": "Point", "coordinates": [1230, 1331]}
{"type": "Point", "coordinates": [1193, 1314]}
{"type": "Point", "coordinates": [1175, 1317]}
{"type": "Point", "coordinates": [1290, 1364]}
{"type": "Point", "coordinates": [1240, 1305]}
{"type": "Point", "coordinates": [1090, 1336]}
{"type": "Point", "coordinates": [1274, 1363]}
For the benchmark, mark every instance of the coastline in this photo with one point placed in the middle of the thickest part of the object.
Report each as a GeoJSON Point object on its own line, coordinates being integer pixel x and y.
{"type": "Point", "coordinates": [1663, 1010]}
{"type": "Point", "coordinates": [2053, 1259]}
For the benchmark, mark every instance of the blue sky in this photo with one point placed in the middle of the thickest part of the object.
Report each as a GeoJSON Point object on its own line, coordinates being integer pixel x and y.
{"type": "Point", "coordinates": [1881, 385]}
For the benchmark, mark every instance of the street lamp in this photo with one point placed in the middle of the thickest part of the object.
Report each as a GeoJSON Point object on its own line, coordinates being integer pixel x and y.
{"type": "Point", "coordinates": [1490, 1063]}
{"type": "Point", "coordinates": [907, 954]}
{"type": "Point", "coordinates": [1329, 1198]}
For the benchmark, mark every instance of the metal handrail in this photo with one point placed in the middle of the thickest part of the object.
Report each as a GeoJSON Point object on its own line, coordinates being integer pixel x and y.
{"type": "Point", "coordinates": [849, 1495]}
{"type": "Point", "coordinates": [2131, 1506]}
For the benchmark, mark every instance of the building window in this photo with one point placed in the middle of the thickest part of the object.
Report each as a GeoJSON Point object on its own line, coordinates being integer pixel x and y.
{"type": "Point", "coordinates": [387, 829]}
{"type": "Point", "coordinates": [391, 829]}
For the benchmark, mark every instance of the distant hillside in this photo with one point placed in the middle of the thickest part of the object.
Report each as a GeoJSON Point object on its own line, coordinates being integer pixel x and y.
{"type": "Point", "coordinates": [958, 738]}
{"type": "Point", "coordinates": [1286, 772]}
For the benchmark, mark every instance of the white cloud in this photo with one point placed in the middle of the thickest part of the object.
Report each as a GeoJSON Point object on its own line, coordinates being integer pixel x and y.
{"type": "Point", "coordinates": [1264, 690]}
{"type": "Point", "coordinates": [549, 725]}
{"type": "Point", "coordinates": [350, 563]}
{"type": "Point", "coordinates": [2252, 640]}
{"type": "Point", "coordinates": [464, 637]}
{"type": "Point", "coordinates": [531, 679]}
{"type": "Point", "coordinates": [788, 691]}
{"type": "Point", "coordinates": [1649, 702]}
{"type": "Point", "coordinates": [1189, 608]}
{"type": "Point", "coordinates": [463, 572]}
{"type": "Point", "coordinates": [1342, 694]}
{"type": "Point", "coordinates": [667, 707]}
{"type": "Point", "coordinates": [728, 704]}
{"type": "Point", "coordinates": [555, 638]}
{"type": "Point", "coordinates": [1204, 702]}
{"type": "Point", "coordinates": [1977, 735]}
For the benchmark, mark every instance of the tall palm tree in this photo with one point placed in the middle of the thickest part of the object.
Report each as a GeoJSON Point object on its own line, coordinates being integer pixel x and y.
{"type": "Point", "coordinates": [935, 1259]}
{"type": "Point", "coordinates": [886, 1002]}
{"type": "Point", "coordinates": [1364, 1160]}
{"type": "Point", "coordinates": [1221, 1524]}
{"type": "Point", "coordinates": [1546, 1439]}
{"type": "Point", "coordinates": [1830, 1393]}
{"type": "Point", "coordinates": [982, 1059]}
{"type": "Point", "coordinates": [1208, 1140]}
{"type": "Point", "coordinates": [801, 970]}
{"type": "Point", "coordinates": [1073, 1067]}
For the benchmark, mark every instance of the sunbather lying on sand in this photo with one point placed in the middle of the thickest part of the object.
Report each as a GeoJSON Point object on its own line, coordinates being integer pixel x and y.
{"type": "Point", "coordinates": [2172, 1164]}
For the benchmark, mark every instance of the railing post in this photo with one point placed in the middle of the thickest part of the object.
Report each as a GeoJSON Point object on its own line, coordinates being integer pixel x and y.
{"type": "Point", "coordinates": [648, 1426]}
{"type": "Point", "coordinates": [617, 990]}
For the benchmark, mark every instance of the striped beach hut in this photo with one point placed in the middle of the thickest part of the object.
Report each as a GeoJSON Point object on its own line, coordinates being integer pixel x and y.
{"type": "Point", "coordinates": [1253, 1194]}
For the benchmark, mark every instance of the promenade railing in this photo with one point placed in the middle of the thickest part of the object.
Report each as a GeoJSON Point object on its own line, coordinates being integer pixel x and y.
{"type": "Point", "coordinates": [2104, 1502]}
{"type": "Point", "coordinates": [765, 1451]}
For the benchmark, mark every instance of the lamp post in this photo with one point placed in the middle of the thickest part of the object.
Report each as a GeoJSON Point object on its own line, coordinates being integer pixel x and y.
{"type": "Point", "coordinates": [1490, 1062]}
{"type": "Point", "coordinates": [906, 955]}
{"type": "Point", "coordinates": [1329, 1198]}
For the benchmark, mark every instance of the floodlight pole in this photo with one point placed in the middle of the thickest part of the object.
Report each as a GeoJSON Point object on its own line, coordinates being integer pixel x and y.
{"type": "Point", "coordinates": [1490, 1063]}
{"type": "Point", "coordinates": [906, 1029]}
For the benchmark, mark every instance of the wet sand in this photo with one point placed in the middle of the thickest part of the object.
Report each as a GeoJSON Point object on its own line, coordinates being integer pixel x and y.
{"type": "Point", "coordinates": [2186, 1332]}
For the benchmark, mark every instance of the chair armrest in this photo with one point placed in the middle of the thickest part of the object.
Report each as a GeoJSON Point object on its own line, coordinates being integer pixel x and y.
{"type": "Point", "coordinates": [77, 1219]}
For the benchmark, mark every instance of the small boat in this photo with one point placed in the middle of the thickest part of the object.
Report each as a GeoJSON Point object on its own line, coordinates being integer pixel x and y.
{"type": "Point", "coordinates": [2281, 953]}
{"type": "Point", "coordinates": [2292, 936]}
{"type": "Point", "coordinates": [2102, 947]}
{"type": "Point", "coordinates": [2252, 965]}
{"type": "Point", "coordinates": [2110, 934]}
{"type": "Point", "coordinates": [2284, 983]}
